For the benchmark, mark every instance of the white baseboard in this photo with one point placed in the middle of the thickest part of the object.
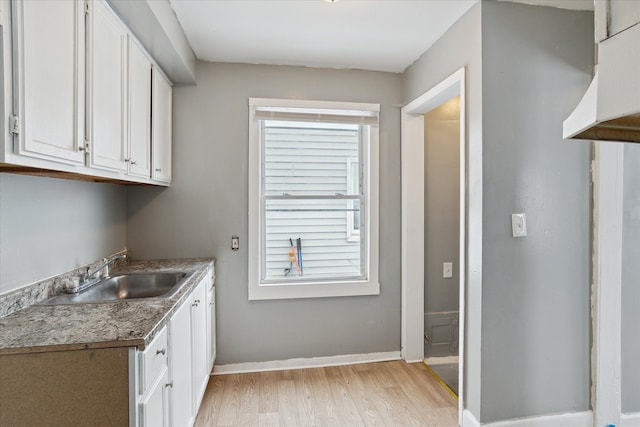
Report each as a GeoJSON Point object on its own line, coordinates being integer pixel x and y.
{"type": "Point", "coordinates": [445, 360]}
{"type": "Point", "coordinates": [572, 419]}
{"type": "Point", "coordinates": [468, 420]}
{"type": "Point", "coordinates": [630, 420]}
{"type": "Point", "coordinates": [311, 362]}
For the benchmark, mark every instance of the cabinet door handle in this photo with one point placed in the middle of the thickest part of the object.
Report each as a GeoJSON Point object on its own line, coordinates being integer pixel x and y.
{"type": "Point", "coordinates": [169, 384]}
{"type": "Point", "coordinates": [133, 162]}
{"type": "Point", "coordinates": [195, 303]}
{"type": "Point", "coordinates": [158, 169]}
{"type": "Point", "coordinates": [161, 351]}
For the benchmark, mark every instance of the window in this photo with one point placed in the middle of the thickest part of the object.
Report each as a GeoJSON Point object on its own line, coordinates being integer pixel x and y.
{"type": "Point", "coordinates": [313, 199]}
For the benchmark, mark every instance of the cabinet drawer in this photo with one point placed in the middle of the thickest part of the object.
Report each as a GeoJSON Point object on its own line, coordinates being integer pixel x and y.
{"type": "Point", "coordinates": [153, 359]}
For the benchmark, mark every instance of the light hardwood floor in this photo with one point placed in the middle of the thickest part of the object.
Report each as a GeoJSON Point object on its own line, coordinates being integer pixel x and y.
{"type": "Point", "coordinates": [372, 394]}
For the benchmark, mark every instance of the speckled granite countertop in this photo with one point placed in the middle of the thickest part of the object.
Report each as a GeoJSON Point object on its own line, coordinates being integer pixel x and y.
{"type": "Point", "coordinates": [129, 323]}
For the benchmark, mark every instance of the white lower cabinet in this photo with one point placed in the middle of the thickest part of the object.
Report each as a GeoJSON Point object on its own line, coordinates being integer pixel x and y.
{"type": "Point", "coordinates": [154, 406]}
{"type": "Point", "coordinates": [159, 386]}
{"type": "Point", "coordinates": [200, 374]}
{"type": "Point", "coordinates": [211, 324]}
{"type": "Point", "coordinates": [188, 368]}
{"type": "Point", "coordinates": [180, 365]}
{"type": "Point", "coordinates": [153, 380]}
{"type": "Point", "coordinates": [173, 371]}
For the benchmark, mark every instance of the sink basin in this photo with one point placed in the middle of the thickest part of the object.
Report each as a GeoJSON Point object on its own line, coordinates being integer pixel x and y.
{"type": "Point", "coordinates": [126, 287]}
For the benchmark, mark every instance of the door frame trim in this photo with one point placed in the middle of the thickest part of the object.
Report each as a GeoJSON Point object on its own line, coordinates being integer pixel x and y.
{"type": "Point", "coordinates": [412, 213]}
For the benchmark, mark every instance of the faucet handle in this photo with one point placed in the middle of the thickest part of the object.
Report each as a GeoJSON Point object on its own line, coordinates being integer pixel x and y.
{"type": "Point", "coordinates": [105, 270]}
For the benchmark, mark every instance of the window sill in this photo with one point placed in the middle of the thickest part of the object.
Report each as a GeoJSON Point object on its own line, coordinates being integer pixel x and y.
{"type": "Point", "coordinates": [312, 290]}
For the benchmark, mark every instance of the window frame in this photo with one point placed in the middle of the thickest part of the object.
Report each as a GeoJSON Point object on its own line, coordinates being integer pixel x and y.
{"type": "Point", "coordinates": [353, 234]}
{"type": "Point", "coordinates": [369, 285]}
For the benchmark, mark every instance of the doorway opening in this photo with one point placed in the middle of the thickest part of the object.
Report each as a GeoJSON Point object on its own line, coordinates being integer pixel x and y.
{"type": "Point", "coordinates": [414, 227]}
{"type": "Point", "coordinates": [442, 240]}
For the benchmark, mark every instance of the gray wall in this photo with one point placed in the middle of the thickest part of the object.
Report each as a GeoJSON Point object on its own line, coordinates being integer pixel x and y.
{"type": "Point", "coordinates": [442, 206]}
{"type": "Point", "coordinates": [630, 282]}
{"type": "Point", "coordinates": [461, 47]}
{"type": "Point", "coordinates": [537, 62]}
{"type": "Point", "coordinates": [49, 226]}
{"type": "Point", "coordinates": [207, 203]}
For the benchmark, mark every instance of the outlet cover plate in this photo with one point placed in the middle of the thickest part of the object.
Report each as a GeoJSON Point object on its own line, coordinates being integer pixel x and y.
{"type": "Point", "coordinates": [447, 270]}
{"type": "Point", "coordinates": [519, 224]}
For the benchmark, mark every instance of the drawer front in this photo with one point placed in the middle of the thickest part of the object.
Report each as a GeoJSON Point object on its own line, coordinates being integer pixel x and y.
{"type": "Point", "coordinates": [153, 359]}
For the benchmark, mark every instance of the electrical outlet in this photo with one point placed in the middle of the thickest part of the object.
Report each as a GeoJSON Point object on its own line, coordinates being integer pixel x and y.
{"type": "Point", "coordinates": [519, 225]}
{"type": "Point", "coordinates": [235, 243]}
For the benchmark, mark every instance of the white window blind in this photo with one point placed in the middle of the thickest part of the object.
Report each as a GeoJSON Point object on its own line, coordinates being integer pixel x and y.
{"type": "Point", "coordinates": [317, 115]}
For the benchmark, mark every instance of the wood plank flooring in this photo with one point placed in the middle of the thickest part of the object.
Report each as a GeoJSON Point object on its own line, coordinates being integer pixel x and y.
{"type": "Point", "coordinates": [372, 394]}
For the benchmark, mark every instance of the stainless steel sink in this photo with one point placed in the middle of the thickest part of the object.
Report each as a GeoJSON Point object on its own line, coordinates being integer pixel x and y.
{"type": "Point", "coordinates": [127, 286]}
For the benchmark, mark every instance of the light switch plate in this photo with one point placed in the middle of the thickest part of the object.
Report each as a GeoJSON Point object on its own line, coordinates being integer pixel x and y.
{"type": "Point", "coordinates": [447, 270]}
{"type": "Point", "coordinates": [519, 224]}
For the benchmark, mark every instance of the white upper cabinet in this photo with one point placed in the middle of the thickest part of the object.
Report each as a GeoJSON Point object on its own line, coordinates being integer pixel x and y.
{"type": "Point", "coordinates": [614, 16]}
{"type": "Point", "coordinates": [139, 112]}
{"type": "Point", "coordinates": [623, 14]}
{"type": "Point", "coordinates": [161, 117]}
{"type": "Point", "coordinates": [85, 97]}
{"type": "Point", "coordinates": [49, 79]}
{"type": "Point", "coordinates": [107, 89]}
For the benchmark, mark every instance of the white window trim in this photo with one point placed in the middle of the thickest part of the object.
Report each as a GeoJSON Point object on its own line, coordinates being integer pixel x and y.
{"type": "Point", "coordinates": [352, 234]}
{"type": "Point", "coordinates": [288, 290]}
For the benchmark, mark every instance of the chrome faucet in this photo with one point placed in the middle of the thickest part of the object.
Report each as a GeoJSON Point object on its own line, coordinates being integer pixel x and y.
{"type": "Point", "coordinates": [88, 279]}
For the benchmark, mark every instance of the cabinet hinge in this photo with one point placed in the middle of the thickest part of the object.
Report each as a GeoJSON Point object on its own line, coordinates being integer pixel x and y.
{"type": "Point", "coordinates": [85, 147]}
{"type": "Point", "coordinates": [14, 124]}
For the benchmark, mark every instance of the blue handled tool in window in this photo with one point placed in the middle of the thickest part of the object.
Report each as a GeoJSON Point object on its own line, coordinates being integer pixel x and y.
{"type": "Point", "coordinates": [299, 247]}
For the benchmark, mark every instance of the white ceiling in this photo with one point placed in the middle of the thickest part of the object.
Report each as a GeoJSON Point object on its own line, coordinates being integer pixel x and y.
{"type": "Point", "coordinates": [380, 35]}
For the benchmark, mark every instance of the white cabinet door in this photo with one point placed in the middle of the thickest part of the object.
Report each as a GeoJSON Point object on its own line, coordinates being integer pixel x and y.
{"type": "Point", "coordinates": [161, 111]}
{"type": "Point", "coordinates": [107, 89]}
{"type": "Point", "coordinates": [180, 365]}
{"type": "Point", "coordinates": [139, 112]}
{"type": "Point", "coordinates": [49, 75]}
{"type": "Point", "coordinates": [199, 342]}
{"type": "Point", "coordinates": [623, 14]}
{"type": "Point", "coordinates": [154, 406]}
{"type": "Point", "coordinates": [211, 328]}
